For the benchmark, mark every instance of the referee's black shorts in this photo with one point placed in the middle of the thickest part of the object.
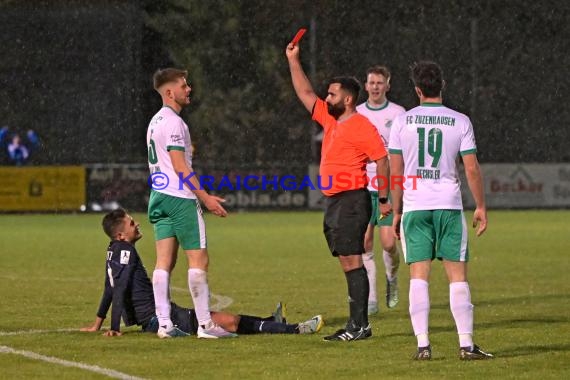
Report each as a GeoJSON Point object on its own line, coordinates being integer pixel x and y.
{"type": "Point", "coordinates": [346, 218]}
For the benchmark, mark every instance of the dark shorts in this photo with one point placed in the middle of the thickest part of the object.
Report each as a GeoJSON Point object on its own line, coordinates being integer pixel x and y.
{"type": "Point", "coordinates": [182, 317]}
{"type": "Point", "coordinates": [346, 218]}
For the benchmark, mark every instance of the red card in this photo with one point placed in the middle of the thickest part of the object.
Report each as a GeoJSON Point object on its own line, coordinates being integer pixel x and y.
{"type": "Point", "coordinates": [298, 36]}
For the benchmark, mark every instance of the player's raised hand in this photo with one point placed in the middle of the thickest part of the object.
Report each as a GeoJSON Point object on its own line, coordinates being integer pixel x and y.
{"type": "Point", "coordinates": [480, 218]}
{"type": "Point", "coordinates": [213, 204]}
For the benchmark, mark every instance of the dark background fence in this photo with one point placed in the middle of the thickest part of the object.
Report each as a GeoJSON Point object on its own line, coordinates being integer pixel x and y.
{"type": "Point", "coordinates": [78, 72]}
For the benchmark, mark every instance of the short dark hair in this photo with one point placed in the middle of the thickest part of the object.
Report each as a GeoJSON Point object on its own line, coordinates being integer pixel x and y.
{"type": "Point", "coordinates": [349, 84]}
{"type": "Point", "coordinates": [428, 77]}
{"type": "Point", "coordinates": [112, 221]}
{"type": "Point", "coordinates": [170, 74]}
{"type": "Point", "coordinates": [379, 70]}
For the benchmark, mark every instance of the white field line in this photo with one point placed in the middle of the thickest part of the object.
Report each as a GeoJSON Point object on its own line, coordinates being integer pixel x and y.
{"type": "Point", "coordinates": [221, 302]}
{"type": "Point", "coordinates": [24, 332]}
{"type": "Point", "coordinates": [66, 363]}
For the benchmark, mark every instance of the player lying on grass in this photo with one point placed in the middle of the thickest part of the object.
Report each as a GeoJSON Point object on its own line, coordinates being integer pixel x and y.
{"type": "Point", "coordinates": [129, 290]}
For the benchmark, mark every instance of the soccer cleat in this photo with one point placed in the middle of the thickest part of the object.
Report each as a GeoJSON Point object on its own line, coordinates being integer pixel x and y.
{"type": "Point", "coordinates": [280, 314]}
{"type": "Point", "coordinates": [368, 331]}
{"type": "Point", "coordinates": [423, 353]}
{"type": "Point", "coordinates": [311, 326]}
{"type": "Point", "coordinates": [351, 332]}
{"type": "Point", "coordinates": [213, 331]}
{"type": "Point", "coordinates": [174, 332]}
{"type": "Point", "coordinates": [466, 353]}
{"type": "Point", "coordinates": [392, 292]}
{"type": "Point", "coordinates": [372, 308]}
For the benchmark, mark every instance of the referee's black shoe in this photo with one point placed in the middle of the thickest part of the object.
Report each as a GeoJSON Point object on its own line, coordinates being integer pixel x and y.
{"type": "Point", "coordinates": [351, 332]}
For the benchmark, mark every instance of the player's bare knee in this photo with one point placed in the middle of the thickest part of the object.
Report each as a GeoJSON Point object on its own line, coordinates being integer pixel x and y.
{"type": "Point", "coordinates": [390, 247]}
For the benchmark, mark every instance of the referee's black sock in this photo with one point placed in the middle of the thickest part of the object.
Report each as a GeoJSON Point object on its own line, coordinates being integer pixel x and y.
{"type": "Point", "coordinates": [358, 289]}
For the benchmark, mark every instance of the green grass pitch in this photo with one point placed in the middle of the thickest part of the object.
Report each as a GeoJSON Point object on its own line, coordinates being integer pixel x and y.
{"type": "Point", "coordinates": [52, 269]}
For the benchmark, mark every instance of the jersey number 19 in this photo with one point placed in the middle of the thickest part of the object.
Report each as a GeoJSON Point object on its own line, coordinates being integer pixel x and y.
{"type": "Point", "coordinates": [434, 146]}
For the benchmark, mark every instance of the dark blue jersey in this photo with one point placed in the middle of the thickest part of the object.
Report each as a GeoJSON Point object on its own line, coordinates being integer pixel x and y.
{"type": "Point", "coordinates": [127, 287]}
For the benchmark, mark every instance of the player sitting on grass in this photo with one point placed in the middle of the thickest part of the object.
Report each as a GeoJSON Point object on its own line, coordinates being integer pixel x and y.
{"type": "Point", "coordinates": [129, 289]}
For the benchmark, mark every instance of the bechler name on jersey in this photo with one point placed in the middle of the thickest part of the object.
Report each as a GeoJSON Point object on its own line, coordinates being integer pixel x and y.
{"type": "Point", "coordinates": [428, 173]}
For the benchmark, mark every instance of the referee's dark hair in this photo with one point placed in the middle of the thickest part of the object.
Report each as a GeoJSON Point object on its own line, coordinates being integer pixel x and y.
{"type": "Point", "coordinates": [112, 221]}
{"type": "Point", "coordinates": [349, 84]}
{"type": "Point", "coordinates": [428, 77]}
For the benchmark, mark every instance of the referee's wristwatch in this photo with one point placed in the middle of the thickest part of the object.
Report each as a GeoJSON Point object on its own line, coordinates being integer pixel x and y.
{"type": "Point", "coordinates": [383, 200]}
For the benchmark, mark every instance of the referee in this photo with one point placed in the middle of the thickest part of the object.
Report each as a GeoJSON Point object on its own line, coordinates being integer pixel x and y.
{"type": "Point", "coordinates": [350, 140]}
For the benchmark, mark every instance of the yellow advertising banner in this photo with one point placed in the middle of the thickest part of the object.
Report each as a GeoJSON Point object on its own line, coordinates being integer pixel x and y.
{"type": "Point", "coordinates": [42, 188]}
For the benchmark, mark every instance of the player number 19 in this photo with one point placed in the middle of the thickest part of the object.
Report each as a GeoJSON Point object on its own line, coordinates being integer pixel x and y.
{"type": "Point", "coordinates": [434, 146]}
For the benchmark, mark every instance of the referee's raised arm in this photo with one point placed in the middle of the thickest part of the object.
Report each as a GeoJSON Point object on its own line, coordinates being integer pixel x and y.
{"type": "Point", "coordinates": [301, 83]}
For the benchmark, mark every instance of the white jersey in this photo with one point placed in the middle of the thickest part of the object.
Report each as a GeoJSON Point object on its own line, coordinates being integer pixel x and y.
{"type": "Point", "coordinates": [167, 131]}
{"type": "Point", "coordinates": [430, 138]}
{"type": "Point", "coordinates": [382, 118]}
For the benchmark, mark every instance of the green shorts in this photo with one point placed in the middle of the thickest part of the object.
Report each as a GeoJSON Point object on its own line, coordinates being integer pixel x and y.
{"type": "Point", "coordinates": [177, 217]}
{"type": "Point", "coordinates": [375, 219]}
{"type": "Point", "coordinates": [430, 234]}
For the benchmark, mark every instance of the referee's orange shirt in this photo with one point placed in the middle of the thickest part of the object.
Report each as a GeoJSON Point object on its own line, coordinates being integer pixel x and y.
{"type": "Point", "coordinates": [347, 147]}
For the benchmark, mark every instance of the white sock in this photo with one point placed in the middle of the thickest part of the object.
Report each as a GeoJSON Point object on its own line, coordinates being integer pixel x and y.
{"type": "Point", "coordinates": [198, 284]}
{"type": "Point", "coordinates": [391, 263]}
{"type": "Point", "coordinates": [370, 265]}
{"type": "Point", "coordinates": [423, 340]}
{"type": "Point", "coordinates": [462, 310]}
{"type": "Point", "coordinates": [161, 286]}
{"type": "Point", "coordinates": [419, 310]}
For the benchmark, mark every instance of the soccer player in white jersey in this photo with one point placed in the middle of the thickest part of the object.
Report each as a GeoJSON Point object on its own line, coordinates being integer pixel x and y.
{"type": "Point", "coordinates": [173, 208]}
{"type": "Point", "coordinates": [380, 111]}
{"type": "Point", "coordinates": [425, 144]}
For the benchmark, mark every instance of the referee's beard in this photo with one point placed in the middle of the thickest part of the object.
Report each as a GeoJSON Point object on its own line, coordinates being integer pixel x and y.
{"type": "Point", "coordinates": [335, 110]}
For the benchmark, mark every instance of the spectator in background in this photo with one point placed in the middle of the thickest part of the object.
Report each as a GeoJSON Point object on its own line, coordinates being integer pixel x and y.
{"type": "Point", "coordinates": [4, 145]}
{"type": "Point", "coordinates": [33, 140]}
{"type": "Point", "coordinates": [17, 152]}
{"type": "Point", "coordinates": [3, 133]}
